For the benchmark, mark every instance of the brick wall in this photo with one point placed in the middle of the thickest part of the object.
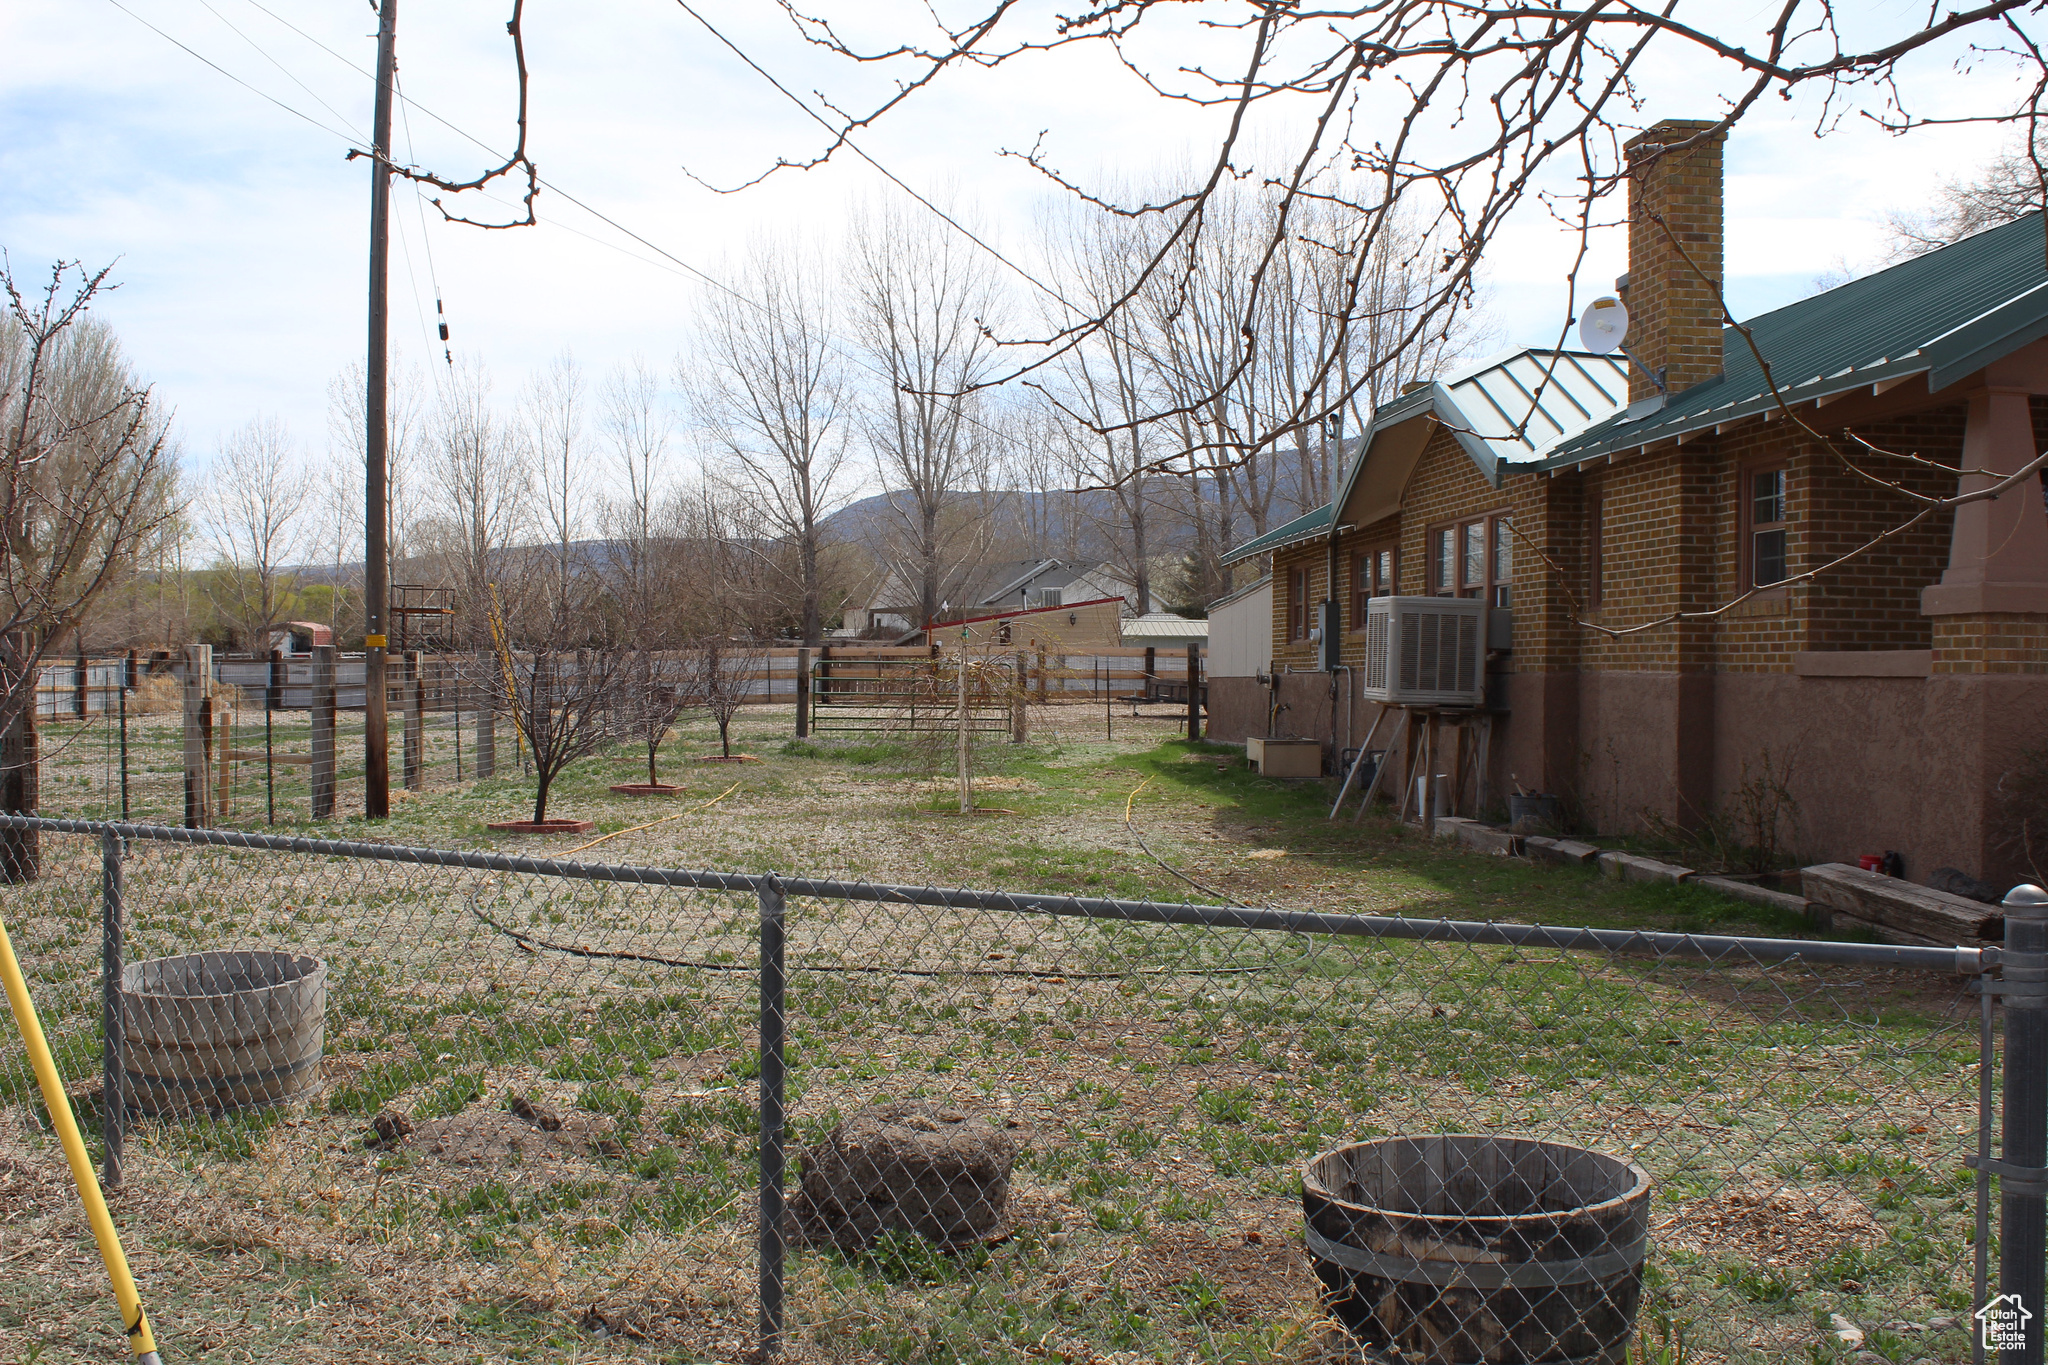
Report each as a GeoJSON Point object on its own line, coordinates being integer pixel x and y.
{"type": "Point", "coordinates": [1446, 486]}
{"type": "Point", "coordinates": [1314, 556]}
{"type": "Point", "coordinates": [1674, 313]}
{"type": "Point", "coordinates": [1873, 602]}
{"type": "Point", "coordinates": [1990, 642]}
{"type": "Point", "coordinates": [1672, 540]}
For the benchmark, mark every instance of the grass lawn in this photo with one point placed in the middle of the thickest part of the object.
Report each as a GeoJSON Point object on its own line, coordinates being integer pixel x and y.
{"type": "Point", "coordinates": [1801, 1124]}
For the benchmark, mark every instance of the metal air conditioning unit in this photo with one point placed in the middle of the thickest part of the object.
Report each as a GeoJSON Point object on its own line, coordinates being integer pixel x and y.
{"type": "Point", "coordinates": [1425, 651]}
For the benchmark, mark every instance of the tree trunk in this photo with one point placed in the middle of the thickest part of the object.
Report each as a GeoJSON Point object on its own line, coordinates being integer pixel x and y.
{"type": "Point", "coordinates": [21, 851]}
{"type": "Point", "coordinates": [725, 736]}
{"type": "Point", "coordinates": [812, 626]}
{"type": "Point", "coordinates": [652, 780]}
{"type": "Point", "coordinates": [540, 799]}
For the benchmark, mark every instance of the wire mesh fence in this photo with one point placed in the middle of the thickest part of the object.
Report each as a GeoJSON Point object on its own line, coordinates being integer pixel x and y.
{"type": "Point", "coordinates": [1015, 1127]}
{"type": "Point", "coordinates": [130, 763]}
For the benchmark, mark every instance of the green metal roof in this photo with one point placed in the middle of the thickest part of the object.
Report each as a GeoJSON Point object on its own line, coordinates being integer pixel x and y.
{"type": "Point", "coordinates": [1307, 526]}
{"type": "Point", "coordinates": [1945, 314]}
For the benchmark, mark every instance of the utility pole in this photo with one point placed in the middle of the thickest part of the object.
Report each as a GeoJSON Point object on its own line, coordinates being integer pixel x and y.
{"type": "Point", "coordinates": [376, 554]}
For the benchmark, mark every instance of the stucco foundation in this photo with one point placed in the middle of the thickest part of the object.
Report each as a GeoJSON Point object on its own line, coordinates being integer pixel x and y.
{"type": "Point", "coordinates": [1873, 764]}
{"type": "Point", "coordinates": [1236, 709]}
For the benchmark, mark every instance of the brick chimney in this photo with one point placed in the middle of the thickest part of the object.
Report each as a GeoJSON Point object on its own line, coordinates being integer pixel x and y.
{"type": "Point", "coordinates": [1674, 315]}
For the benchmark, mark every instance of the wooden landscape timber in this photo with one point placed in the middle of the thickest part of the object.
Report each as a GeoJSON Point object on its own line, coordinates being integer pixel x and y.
{"type": "Point", "coordinates": [1899, 911]}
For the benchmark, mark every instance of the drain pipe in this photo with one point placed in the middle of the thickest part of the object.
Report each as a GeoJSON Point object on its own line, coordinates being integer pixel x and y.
{"type": "Point", "coordinates": [1337, 746]}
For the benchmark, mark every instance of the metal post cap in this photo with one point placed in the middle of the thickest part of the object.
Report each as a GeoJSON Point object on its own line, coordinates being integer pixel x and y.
{"type": "Point", "coordinates": [2026, 896]}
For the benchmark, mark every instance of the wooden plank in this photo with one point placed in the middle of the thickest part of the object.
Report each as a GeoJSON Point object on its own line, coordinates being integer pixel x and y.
{"type": "Point", "coordinates": [1901, 907]}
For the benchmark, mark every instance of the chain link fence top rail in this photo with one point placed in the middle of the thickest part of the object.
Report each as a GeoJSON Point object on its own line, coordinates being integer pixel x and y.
{"type": "Point", "coordinates": [537, 1098]}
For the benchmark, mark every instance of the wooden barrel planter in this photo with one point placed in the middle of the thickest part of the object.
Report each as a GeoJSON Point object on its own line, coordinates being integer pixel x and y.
{"type": "Point", "coordinates": [1480, 1250]}
{"type": "Point", "coordinates": [222, 1031]}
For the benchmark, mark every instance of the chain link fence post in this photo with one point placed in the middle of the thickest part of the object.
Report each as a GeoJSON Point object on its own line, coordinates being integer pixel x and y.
{"type": "Point", "coordinates": [2021, 1220]}
{"type": "Point", "coordinates": [772, 1116]}
{"type": "Point", "coordinates": [112, 1118]}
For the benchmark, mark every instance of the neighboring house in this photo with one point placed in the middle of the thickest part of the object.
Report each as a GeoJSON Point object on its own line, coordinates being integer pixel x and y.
{"type": "Point", "coordinates": [1163, 630]}
{"type": "Point", "coordinates": [1002, 586]}
{"type": "Point", "coordinates": [1071, 628]}
{"type": "Point", "coordinates": [1885, 698]}
{"type": "Point", "coordinates": [1240, 646]}
{"type": "Point", "coordinates": [299, 637]}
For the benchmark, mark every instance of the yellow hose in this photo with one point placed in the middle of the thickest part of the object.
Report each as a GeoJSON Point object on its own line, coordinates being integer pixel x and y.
{"type": "Point", "coordinates": [139, 1338]}
{"type": "Point", "coordinates": [651, 823]}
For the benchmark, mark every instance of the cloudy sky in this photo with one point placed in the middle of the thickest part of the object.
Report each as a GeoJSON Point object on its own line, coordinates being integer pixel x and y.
{"type": "Point", "coordinates": [240, 230]}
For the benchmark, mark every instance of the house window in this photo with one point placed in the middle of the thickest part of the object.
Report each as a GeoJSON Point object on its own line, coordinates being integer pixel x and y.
{"type": "Point", "coordinates": [1768, 516]}
{"type": "Point", "coordinates": [1297, 604]}
{"type": "Point", "coordinates": [1596, 514]}
{"type": "Point", "coordinates": [1472, 559]}
{"type": "Point", "coordinates": [1372, 575]}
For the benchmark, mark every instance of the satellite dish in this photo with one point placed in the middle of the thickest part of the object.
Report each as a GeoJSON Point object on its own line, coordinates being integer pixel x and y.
{"type": "Point", "coordinates": [1603, 325]}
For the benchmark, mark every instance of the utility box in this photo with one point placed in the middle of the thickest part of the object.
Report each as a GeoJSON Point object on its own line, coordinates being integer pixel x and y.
{"type": "Point", "coordinates": [1285, 757]}
{"type": "Point", "coordinates": [1329, 637]}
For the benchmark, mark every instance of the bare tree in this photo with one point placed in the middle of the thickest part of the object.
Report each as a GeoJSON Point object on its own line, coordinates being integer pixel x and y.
{"type": "Point", "coordinates": [482, 476]}
{"type": "Point", "coordinates": [921, 301]}
{"type": "Point", "coordinates": [256, 498]}
{"type": "Point", "coordinates": [553, 409]}
{"type": "Point", "coordinates": [2008, 187]}
{"type": "Point", "coordinates": [564, 695]}
{"type": "Point", "coordinates": [340, 510]}
{"type": "Point", "coordinates": [406, 456]}
{"type": "Point", "coordinates": [1109, 384]}
{"type": "Point", "coordinates": [639, 553]}
{"type": "Point", "coordinates": [720, 674]}
{"type": "Point", "coordinates": [658, 688]}
{"type": "Point", "coordinates": [771, 391]}
{"type": "Point", "coordinates": [85, 487]}
{"type": "Point", "coordinates": [1489, 105]}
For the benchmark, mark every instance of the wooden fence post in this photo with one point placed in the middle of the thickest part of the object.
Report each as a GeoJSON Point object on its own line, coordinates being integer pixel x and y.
{"type": "Point", "coordinates": [1194, 692]}
{"type": "Point", "coordinates": [1020, 702]}
{"type": "Point", "coordinates": [321, 711]}
{"type": "Point", "coordinates": [412, 691]}
{"type": "Point", "coordinates": [803, 693]}
{"type": "Point", "coordinates": [198, 715]}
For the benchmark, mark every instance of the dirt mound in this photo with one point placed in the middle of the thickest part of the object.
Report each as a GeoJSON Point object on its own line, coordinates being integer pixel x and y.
{"type": "Point", "coordinates": [911, 1166]}
{"type": "Point", "coordinates": [478, 1137]}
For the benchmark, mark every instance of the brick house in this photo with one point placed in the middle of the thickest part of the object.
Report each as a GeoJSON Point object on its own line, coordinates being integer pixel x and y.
{"type": "Point", "coordinates": [1897, 690]}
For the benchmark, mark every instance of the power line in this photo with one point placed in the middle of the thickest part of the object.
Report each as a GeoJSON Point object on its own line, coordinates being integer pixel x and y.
{"type": "Point", "coordinates": [845, 137]}
{"type": "Point", "coordinates": [353, 130]}
{"type": "Point", "coordinates": [307, 118]}
{"type": "Point", "coordinates": [682, 266]}
{"type": "Point", "coordinates": [419, 202]}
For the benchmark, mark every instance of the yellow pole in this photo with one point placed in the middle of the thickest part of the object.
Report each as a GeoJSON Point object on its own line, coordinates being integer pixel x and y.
{"type": "Point", "coordinates": [139, 1338]}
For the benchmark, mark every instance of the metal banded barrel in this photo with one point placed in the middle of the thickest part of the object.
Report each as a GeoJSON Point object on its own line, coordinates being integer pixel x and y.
{"type": "Point", "coordinates": [1480, 1250]}
{"type": "Point", "coordinates": [221, 1031]}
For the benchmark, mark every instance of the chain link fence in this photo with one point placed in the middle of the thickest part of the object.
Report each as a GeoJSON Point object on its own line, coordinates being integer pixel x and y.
{"type": "Point", "coordinates": [701, 1111]}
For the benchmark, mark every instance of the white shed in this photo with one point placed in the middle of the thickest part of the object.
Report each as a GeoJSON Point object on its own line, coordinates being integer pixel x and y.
{"type": "Point", "coordinates": [1241, 632]}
